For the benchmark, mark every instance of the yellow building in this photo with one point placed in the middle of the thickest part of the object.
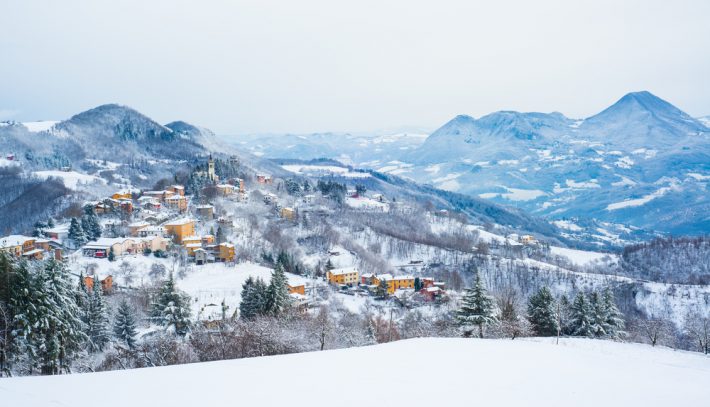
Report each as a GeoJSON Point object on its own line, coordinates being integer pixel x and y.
{"type": "Point", "coordinates": [191, 243]}
{"type": "Point", "coordinates": [16, 244]}
{"type": "Point", "coordinates": [122, 195]}
{"type": "Point", "coordinates": [177, 202]}
{"type": "Point", "coordinates": [180, 229]}
{"type": "Point", "coordinates": [225, 189]}
{"type": "Point", "coordinates": [347, 276]}
{"type": "Point", "coordinates": [226, 252]}
{"type": "Point", "coordinates": [288, 213]}
{"type": "Point", "coordinates": [394, 283]}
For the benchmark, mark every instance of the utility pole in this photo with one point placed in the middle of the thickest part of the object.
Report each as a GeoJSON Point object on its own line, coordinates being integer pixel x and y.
{"type": "Point", "coordinates": [559, 322]}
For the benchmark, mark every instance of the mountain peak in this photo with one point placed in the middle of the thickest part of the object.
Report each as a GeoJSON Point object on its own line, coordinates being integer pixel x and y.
{"type": "Point", "coordinates": [642, 102]}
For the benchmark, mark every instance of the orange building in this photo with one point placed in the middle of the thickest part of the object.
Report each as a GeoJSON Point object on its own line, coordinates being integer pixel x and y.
{"type": "Point", "coordinates": [122, 195]}
{"type": "Point", "coordinates": [394, 283]}
{"type": "Point", "coordinates": [180, 229]}
{"type": "Point", "coordinates": [226, 252]}
{"type": "Point", "coordinates": [297, 289]}
{"type": "Point", "coordinates": [177, 189]}
{"type": "Point", "coordinates": [347, 276]}
{"type": "Point", "coordinates": [177, 202]}
{"type": "Point", "coordinates": [288, 213]}
{"type": "Point", "coordinates": [106, 284]}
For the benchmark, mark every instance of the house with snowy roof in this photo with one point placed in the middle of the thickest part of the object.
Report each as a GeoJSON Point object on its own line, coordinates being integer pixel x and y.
{"type": "Point", "coordinates": [343, 276]}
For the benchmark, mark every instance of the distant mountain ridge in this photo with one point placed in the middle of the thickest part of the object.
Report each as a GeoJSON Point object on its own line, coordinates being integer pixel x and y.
{"type": "Point", "coordinates": [641, 162]}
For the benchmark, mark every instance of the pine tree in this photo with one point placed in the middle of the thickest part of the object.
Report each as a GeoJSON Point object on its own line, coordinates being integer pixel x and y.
{"type": "Point", "coordinates": [83, 300]}
{"type": "Point", "coordinates": [253, 301]}
{"type": "Point", "coordinates": [39, 229]}
{"type": "Point", "coordinates": [76, 233]}
{"type": "Point", "coordinates": [98, 325]}
{"type": "Point", "coordinates": [564, 315]}
{"type": "Point", "coordinates": [614, 319]}
{"type": "Point", "coordinates": [542, 314]}
{"type": "Point", "coordinates": [171, 308]}
{"type": "Point", "coordinates": [90, 223]}
{"type": "Point", "coordinates": [111, 254]}
{"type": "Point", "coordinates": [580, 316]}
{"type": "Point", "coordinates": [277, 297]}
{"type": "Point", "coordinates": [21, 310]}
{"type": "Point", "coordinates": [48, 326]}
{"type": "Point", "coordinates": [221, 236]}
{"type": "Point", "coordinates": [124, 327]}
{"type": "Point", "coordinates": [598, 315]}
{"type": "Point", "coordinates": [382, 288]}
{"type": "Point", "coordinates": [477, 309]}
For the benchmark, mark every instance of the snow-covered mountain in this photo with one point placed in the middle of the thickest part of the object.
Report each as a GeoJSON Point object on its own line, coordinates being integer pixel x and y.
{"type": "Point", "coordinates": [641, 162]}
{"type": "Point", "coordinates": [113, 136]}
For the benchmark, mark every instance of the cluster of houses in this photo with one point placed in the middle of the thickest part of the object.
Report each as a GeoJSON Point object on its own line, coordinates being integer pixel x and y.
{"type": "Point", "coordinates": [430, 289]}
{"type": "Point", "coordinates": [31, 248]}
{"type": "Point", "coordinates": [202, 249]}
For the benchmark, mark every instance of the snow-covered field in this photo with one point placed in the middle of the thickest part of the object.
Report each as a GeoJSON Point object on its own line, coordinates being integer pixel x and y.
{"type": "Point", "coordinates": [581, 257]}
{"type": "Point", "coordinates": [321, 170]}
{"type": "Point", "coordinates": [208, 285]}
{"type": "Point", "coordinates": [366, 203]}
{"type": "Point", "coordinates": [71, 179]}
{"type": "Point", "coordinates": [40, 125]}
{"type": "Point", "coordinates": [420, 372]}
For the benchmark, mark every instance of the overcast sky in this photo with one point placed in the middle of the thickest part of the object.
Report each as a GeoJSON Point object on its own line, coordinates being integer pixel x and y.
{"type": "Point", "coordinates": [304, 66]}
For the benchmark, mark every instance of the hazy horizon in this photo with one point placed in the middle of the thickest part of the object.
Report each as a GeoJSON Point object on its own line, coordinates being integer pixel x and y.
{"type": "Point", "coordinates": [247, 67]}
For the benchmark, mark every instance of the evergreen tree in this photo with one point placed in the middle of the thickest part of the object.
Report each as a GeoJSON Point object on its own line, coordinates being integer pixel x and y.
{"type": "Point", "coordinates": [564, 317]}
{"type": "Point", "coordinates": [90, 223]}
{"type": "Point", "coordinates": [76, 233]}
{"type": "Point", "coordinates": [254, 292]}
{"type": "Point", "coordinates": [172, 309]}
{"type": "Point", "coordinates": [47, 324]}
{"type": "Point", "coordinates": [580, 323]}
{"type": "Point", "coordinates": [98, 325]}
{"type": "Point", "coordinates": [221, 237]}
{"type": "Point", "coordinates": [111, 254]}
{"type": "Point", "coordinates": [597, 315]}
{"type": "Point", "coordinates": [417, 284]}
{"type": "Point", "coordinates": [382, 288]}
{"type": "Point", "coordinates": [21, 307]}
{"type": "Point", "coordinates": [477, 309]}
{"type": "Point", "coordinates": [39, 229]}
{"type": "Point", "coordinates": [542, 313]}
{"type": "Point", "coordinates": [614, 319]}
{"type": "Point", "coordinates": [277, 297]}
{"type": "Point", "coordinates": [83, 300]}
{"type": "Point", "coordinates": [124, 327]}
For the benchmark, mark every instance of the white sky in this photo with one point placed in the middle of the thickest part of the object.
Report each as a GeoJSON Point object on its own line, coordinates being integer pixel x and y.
{"type": "Point", "coordinates": [304, 66]}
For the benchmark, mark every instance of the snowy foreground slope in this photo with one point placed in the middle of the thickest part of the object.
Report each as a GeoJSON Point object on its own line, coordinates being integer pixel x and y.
{"type": "Point", "coordinates": [418, 372]}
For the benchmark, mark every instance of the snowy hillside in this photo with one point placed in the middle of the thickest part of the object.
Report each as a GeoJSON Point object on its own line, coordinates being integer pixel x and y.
{"type": "Point", "coordinates": [419, 372]}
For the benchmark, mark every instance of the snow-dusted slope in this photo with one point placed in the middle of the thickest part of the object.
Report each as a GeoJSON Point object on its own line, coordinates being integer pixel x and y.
{"type": "Point", "coordinates": [422, 372]}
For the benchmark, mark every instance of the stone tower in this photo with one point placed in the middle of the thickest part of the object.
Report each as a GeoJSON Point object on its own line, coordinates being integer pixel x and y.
{"type": "Point", "coordinates": [210, 169]}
